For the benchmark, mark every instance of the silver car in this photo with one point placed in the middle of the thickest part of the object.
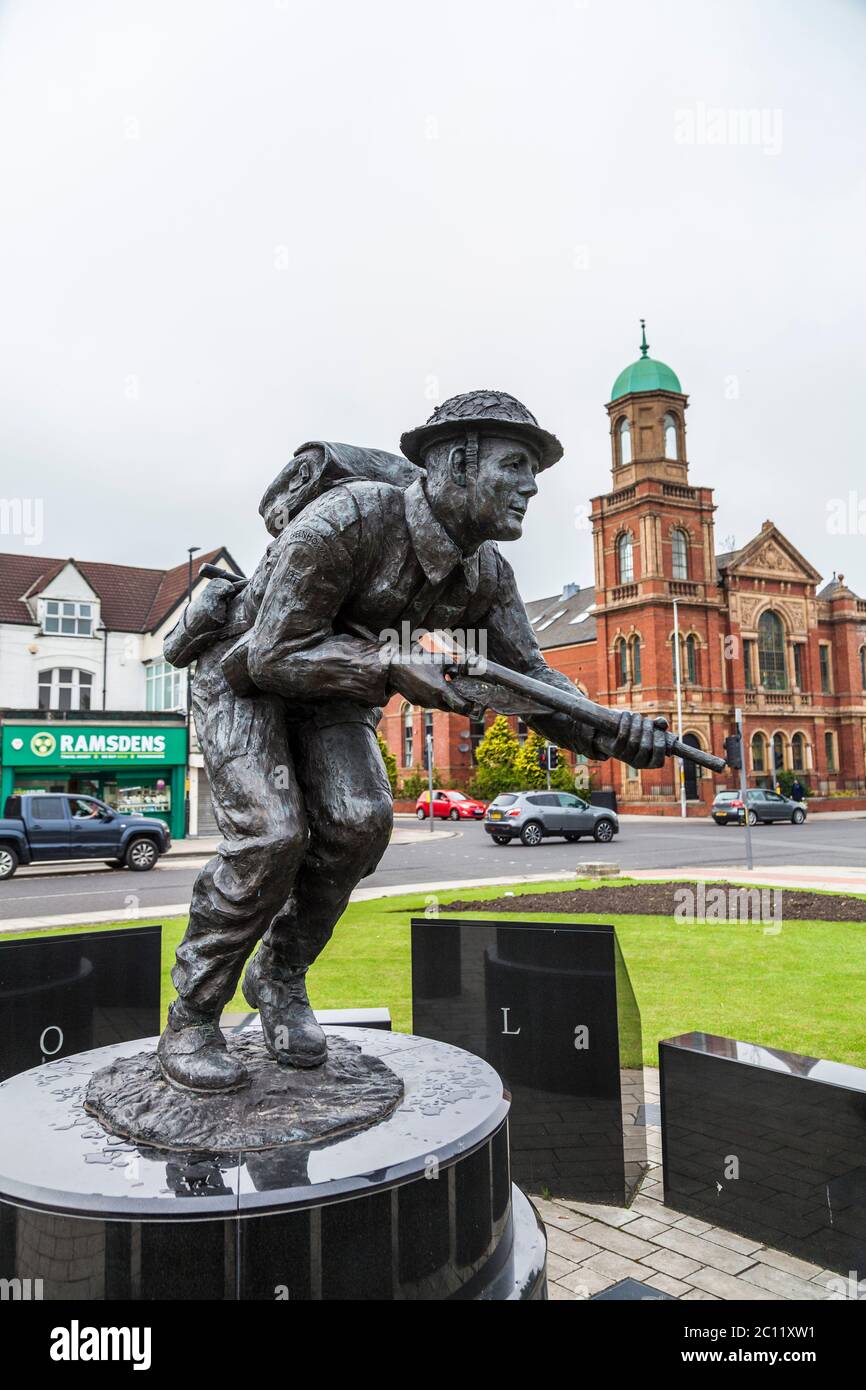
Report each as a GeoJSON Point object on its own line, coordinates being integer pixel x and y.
{"type": "Point", "coordinates": [533, 816]}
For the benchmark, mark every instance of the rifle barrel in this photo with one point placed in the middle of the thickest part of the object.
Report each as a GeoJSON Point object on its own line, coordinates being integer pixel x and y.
{"type": "Point", "coordinates": [599, 717]}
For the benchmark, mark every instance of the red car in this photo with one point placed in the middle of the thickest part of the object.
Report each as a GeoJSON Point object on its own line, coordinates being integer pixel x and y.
{"type": "Point", "coordinates": [449, 805]}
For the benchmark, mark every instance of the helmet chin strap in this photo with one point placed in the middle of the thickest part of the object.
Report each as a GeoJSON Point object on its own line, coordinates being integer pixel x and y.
{"type": "Point", "coordinates": [471, 451]}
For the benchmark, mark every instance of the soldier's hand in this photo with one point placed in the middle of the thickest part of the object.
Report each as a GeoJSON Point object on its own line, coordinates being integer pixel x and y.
{"type": "Point", "coordinates": [640, 741]}
{"type": "Point", "coordinates": [209, 609]}
{"type": "Point", "coordinates": [423, 683]}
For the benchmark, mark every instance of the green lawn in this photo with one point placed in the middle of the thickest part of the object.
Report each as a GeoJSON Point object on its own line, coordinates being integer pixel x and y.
{"type": "Point", "coordinates": [802, 989]}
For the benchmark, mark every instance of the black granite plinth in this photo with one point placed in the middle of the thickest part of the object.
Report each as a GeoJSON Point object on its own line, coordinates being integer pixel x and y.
{"type": "Point", "coordinates": [768, 1144]}
{"type": "Point", "coordinates": [418, 1206]}
{"type": "Point", "coordinates": [551, 1007]}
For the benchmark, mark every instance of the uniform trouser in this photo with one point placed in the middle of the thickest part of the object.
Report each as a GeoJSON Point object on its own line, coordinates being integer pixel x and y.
{"type": "Point", "coordinates": [305, 809]}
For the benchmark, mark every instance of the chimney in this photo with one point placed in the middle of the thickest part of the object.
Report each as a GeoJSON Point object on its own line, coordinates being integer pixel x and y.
{"type": "Point", "coordinates": [569, 590]}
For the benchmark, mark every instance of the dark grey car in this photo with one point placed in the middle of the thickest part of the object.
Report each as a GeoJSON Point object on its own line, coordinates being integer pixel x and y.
{"type": "Point", "coordinates": [533, 816]}
{"type": "Point", "coordinates": [763, 805]}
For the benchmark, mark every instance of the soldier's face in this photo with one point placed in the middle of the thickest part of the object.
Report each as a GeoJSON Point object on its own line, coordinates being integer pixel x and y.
{"type": "Point", "coordinates": [506, 484]}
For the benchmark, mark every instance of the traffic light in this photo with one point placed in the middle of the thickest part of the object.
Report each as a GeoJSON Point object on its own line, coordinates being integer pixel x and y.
{"type": "Point", "coordinates": [542, 759]}
{"type": "Point", "coordinates": [734, 751]}
{"type": "Point", "coordinates": [552, 758]}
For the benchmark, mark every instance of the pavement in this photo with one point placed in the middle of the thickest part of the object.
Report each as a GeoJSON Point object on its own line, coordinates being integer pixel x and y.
{"type": "Point", "coordinates": [591, 1247]}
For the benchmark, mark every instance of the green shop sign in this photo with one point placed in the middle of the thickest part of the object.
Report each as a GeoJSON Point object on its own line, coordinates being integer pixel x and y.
{"type": "Point", "coordinates": [61, 745]}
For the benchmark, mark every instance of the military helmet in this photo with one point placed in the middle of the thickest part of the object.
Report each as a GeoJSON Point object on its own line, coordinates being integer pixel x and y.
{"type": "Point", "coordinates": [487, 412]}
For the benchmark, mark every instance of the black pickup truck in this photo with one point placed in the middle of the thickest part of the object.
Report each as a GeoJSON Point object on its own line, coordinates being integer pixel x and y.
{"type": "Point", "coordinates": [52, 825]}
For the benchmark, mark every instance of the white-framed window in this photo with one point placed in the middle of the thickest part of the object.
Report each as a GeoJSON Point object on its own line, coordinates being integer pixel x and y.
{"type": "Point", "coordinates": [680, 554]}
{"type": "Point", "coordinates": [672, 450]}
{"type": "Point", "coordinates": [164, 687]}
{"type": "Point", "coordinates": [67, 617]}
{"type": "Point", "coordinates": [625, 559]}
{"type": "Point", "coordinates": [64, 687]}
{"type": "Point", "coordinates": [624, 432]}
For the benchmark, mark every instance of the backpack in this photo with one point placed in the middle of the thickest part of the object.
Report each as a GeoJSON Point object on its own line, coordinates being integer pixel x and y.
{"type": "Point", "coordinates": [318, 466]}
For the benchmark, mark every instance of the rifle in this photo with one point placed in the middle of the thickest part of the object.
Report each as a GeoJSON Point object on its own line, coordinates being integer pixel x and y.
{"type": "Point", "coordinates": [539, 694]}
{"type": "Point", "coordinates": [468, 670]}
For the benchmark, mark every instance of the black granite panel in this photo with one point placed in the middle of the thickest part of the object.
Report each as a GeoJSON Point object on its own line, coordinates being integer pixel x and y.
{"type": "Point", "coordinates": [767, 1143]}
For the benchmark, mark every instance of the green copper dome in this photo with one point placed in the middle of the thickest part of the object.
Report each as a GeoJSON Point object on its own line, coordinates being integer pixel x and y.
{"type": "Point", "coordinates": [645, 374]}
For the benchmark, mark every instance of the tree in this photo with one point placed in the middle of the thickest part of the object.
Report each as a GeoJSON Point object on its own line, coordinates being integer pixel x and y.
{"type": "Point", "coordinates": [496, 758]}
{"type": "Point", "coordinates": [532, 775]}
{"type": "Point", "coordinates": [390, 763]}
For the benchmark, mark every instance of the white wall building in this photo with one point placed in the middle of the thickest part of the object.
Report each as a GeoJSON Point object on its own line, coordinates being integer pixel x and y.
{"type": "Point", "coordinates": [81, 647]}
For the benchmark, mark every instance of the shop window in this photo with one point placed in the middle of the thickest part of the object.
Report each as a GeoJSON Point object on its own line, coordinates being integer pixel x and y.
{"type": "Point", "coordinates": [66, 618]}
{"type": "Point", "coordinates": [164, 687]}
{"type": "Point", "coordinates": [771, 651]}
{"type": "Point", "coordinates": [64, 687]}
{"type": "Point", "coordinates": [680, 545]}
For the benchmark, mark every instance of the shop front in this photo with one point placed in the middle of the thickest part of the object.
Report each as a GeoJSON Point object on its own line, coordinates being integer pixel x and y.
{"type": "Point", "coordinates": [137, 768]}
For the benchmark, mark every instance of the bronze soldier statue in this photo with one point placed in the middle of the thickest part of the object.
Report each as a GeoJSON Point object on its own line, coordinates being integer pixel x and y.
{"type": "Point", "coordinates": [288, 689]}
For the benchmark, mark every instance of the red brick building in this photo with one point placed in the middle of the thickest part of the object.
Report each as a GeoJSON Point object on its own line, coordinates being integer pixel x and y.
{"type": "Point", "coordinates": [755, 630]}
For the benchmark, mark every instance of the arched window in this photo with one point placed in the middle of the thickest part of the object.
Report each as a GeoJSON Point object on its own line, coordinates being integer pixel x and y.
{"type": "Point", "coordinates": [625, 559]}
{"type": "Point", "coordinates": [65, 687]}
{"type": "Point", "coordinates": [830, 751]}
{"type": "Point", "coordinates": [778, 753]}
{"type": "Point", "coordinates": [635, 660]}
{"type": "Point", "coordinates": [863, 667]}
{"type": "Point", "coordinates": [798, 753]}
{"type": "Point", "coordinates": [680, 547]}
{"type": "Point", "coordinates": [759, 753]}
{"type": "Point", "coordinates": [771, 652]}
{"type": "Point", "coordinates": [408, 735]}
{"type": "Point", "coordinates": [692, 660]}
{"type": "Point", "coordinates": [623, 430]}
{"type": "Point", "coordinates": [672, 448]}
{"type": "Point", "coordinates": [621, 658]}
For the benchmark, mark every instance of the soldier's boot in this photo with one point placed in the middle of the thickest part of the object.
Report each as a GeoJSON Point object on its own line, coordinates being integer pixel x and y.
{"type": "Point", "coordinates": [192, 1052]}
{"type": "Point", "coordinates": [292, 1034]}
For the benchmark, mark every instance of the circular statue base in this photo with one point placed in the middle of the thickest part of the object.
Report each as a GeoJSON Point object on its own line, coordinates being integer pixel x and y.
{"type": "Point", "coordinates": [281, 1105]}
{"type": "Point", "coordinates": [418, 1204]}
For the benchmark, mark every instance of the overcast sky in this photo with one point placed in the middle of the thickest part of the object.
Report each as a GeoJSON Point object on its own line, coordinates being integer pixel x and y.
{"type": "Point", "coordinates": [228, 227]}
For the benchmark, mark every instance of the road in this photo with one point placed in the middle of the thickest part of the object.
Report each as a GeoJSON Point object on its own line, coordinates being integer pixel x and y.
{"type": "Point", "coordinates": [468, 854]}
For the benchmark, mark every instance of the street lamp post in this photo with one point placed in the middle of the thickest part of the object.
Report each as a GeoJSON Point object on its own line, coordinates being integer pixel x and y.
{"type": "Point", "coordinates": [191, 550]}
{"type": "Point", "coordinates": [677, 656]}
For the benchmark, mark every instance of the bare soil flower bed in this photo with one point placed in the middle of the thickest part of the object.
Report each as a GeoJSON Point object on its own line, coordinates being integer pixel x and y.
{"type": "Point", "coordinates": [664, 899]}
